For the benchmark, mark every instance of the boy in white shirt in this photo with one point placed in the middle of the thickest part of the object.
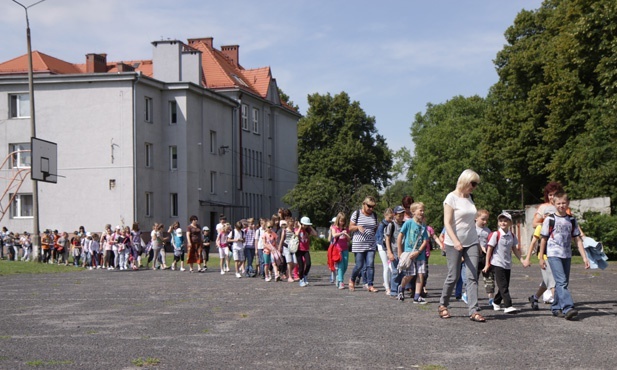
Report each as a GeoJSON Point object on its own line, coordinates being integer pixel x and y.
{"type": "Point", "coordinates": [501, 244]}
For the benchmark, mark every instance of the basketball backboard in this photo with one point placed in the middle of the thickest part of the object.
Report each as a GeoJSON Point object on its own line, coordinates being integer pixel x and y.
{"type": "Point", "coordinates": [44, 160]}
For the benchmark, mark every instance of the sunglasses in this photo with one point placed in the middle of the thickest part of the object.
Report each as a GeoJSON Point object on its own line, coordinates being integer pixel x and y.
{"type": "Point", "coordinates": [474, 183]}
{"type": "Point", "coordinates": [371, 206]}
{"type": "Point", "coordinates": [269, 227]}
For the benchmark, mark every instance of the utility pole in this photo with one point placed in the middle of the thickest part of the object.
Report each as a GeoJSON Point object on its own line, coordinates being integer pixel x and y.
{"type": "Point", "coordinates": [35, 186]}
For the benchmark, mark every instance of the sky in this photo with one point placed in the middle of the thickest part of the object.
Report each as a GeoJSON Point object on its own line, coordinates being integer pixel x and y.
{"type": "Point", "coordinates": [394, 56]}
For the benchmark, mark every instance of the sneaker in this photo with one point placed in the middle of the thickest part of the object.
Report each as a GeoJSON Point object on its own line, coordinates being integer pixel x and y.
{"type": "Point", "coordinates": [534, 302]}
{"type": "Point", "coordinates": [420, 300]}
{"type": "Point", "coordinates": [222, 272]}
{"type": "Point", "coordinates": [490, 301]}
{"type": "Point", "coordinates": [306, 281]}
{"type": "Point", "coordinates": [464, 297]}
{"type": "Point", "coordinates": [182, 269]}
{"type": "Point", "coordinates": [570, 315]}
{"type": "Point", "coordinates": [550, 301]}
{"type": "Point", "coordinates": [173, 268]}
{"type": "Point", "coordinates": [558, 313]}
{"type": "Point", "coordinates": [268, 279]}
{"type": "Point", "coordinates": [496, 307]}
{"type": "Point", "coordinates": [510, 309]}
{"type": "Point", "coordinates": [302, 283]}
{"type": "Point", "coordinates": [226, 269]}
{"type": "Point", "coordinates": [238, 275]}
{"type": "Point", "coordinates": [90, 268]}
{"type": "Point", "coordinates": [401, 294]}
{"type": "Point", "coordinates": [341, 285]}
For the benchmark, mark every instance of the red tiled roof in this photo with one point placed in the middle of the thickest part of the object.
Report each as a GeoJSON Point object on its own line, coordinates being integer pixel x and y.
{"type": "Point", "coordinates": [40, 63]}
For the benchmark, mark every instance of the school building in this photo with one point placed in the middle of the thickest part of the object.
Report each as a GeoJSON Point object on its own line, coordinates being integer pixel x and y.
{"type": "Point", "coordinates": [188, 132]}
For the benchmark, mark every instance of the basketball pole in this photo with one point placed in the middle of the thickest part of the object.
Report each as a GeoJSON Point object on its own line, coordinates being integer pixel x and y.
{"type": "Point", "coordinates": [36, 234]}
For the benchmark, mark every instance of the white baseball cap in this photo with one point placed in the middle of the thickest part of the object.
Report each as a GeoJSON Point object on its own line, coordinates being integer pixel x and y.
{"type": "Point", "coordinates": [305, 221]}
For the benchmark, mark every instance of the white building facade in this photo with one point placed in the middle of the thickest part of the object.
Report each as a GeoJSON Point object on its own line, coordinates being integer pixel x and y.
{"type": "Point", "coordinates": [146, 145]}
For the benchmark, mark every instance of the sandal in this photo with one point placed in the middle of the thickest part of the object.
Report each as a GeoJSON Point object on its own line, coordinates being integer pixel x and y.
{"type": "Point", "coordinates": [443, 312]}
{"type": "Point", "coordinates": [352, 286]}
{"type": "Point", "coordinates": [477, 317]}
{"type": "Point", "coordinates": [372, 289]}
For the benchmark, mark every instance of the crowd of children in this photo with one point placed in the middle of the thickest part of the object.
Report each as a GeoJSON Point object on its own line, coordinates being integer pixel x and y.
{"type": "Point", "coordinates": [278, 249]}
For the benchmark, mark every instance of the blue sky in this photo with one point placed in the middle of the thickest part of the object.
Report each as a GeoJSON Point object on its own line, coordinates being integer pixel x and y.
{"type": "Point", "coordinates": [393, 56]}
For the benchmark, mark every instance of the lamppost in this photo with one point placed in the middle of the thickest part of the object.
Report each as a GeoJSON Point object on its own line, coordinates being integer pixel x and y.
{"type": "Point", "coordinates": [35, 186]}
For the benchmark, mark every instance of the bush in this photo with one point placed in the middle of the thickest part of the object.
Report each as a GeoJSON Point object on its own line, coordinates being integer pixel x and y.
{"type": "Point", "coordinates": [319, 244]}
{"type": "Point", "coordinates": [602, 228]}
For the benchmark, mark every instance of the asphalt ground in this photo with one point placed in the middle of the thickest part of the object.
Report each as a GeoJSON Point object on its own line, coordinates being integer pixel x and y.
{"type": "Point", "coordinates": [176, 320]}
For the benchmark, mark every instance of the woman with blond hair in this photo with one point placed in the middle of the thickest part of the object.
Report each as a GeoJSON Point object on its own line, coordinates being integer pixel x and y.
{"type": "Point", "coordinates": [461, 241]}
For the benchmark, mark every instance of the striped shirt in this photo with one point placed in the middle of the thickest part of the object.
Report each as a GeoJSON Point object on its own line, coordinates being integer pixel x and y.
{"type": "Point", "coordinates": [366, 241]}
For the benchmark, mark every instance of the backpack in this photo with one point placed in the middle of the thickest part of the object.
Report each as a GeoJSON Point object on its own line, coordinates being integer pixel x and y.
{"type": "Point", "coordinates": [357, 213]}
{"type": "Point", "coordinates": [293, 244]}
{"type": "Point", "coordinates": [379, 235]}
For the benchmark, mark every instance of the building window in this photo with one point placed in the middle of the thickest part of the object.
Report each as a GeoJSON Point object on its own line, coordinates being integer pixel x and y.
{"type": "Point", "coordinates": [256, 120]}
{"type": "Point", "coordinates": [21, 206]}
{"type": "Point", "coordinates": [149, 197]}
{"type": "Point", "coordinates": [245, 117]}
{"type": "Point", "coordinates": [173, 205]}
{"type": "Point", "coordinates": [20, 106]}
{"type": "Point", "coordinates": [173, 113]}
{"type": "Point", "coordinates": [148, 110]}
{"type": "Point", "coordinates": [212, 142]}
{"type": "Point", "coordinates": [149, 155]}
{"type": "Point", "coordinates": [21, 157]}
{"type": "Point", "coordinates": [173, 157]}
{"type": "Point", "coordinates": [212, 182]}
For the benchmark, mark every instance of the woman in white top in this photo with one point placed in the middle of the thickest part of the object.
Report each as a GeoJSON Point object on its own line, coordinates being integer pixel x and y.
{"type": "Point", "coordinates": [461, 240]}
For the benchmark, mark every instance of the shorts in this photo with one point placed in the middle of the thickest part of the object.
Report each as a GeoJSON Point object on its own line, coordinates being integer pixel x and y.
{"type": "Point", "coordinates": [289, 257]}
{"type": "Point", "coordinates": [547, 276]}
{"type": "Point", "coordinates": [416, 268]}
{"type": "Point", "coordinates": [238, 255]}
{"type": "Point", "coordinates": [223, 252]}
{"type": "Point", "coordinates": [267, 259]}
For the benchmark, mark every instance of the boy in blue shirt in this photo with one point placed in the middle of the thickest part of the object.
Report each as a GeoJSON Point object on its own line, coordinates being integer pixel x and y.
{"type": "Point", "coordinates": [557, 235]}
{"type": "Point", "coordinates": [416, 241]}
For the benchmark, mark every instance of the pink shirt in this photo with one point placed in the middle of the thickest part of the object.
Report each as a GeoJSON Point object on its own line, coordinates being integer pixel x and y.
{"type": "Point", "coordinates": [305, 241]}
{"type": "Point", "coordinates": [342, 242]}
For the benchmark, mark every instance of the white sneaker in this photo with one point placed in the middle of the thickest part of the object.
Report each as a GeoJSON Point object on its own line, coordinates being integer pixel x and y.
{"type": "Point", "coordinates": [496, 307]}
{"type": "Point", "coordinates": [222, 272]}
{"type": "Point", "coordinates": [238, 275]}
{"type": "Point", "coordinates": [268, 279]}
{"type": "Point", "coordinates": [227, 269]}
{"type": "Point", "coordinates": [173, 268]}
{"type": "Point", "coordinates": [90, 268]}
{"type": "Point", "coordinates": [182, 269]}
{"type": "Point", "coordinates": [510, 309]}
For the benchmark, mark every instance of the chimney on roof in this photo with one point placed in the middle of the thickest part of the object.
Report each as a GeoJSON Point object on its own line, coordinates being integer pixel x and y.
{"type": "Point", "coordinates": [209, 41]}
{"type": "Point", "coordinates": [232, 53]}
{"type": "Point", "coordinates": [96, 63]}
{"type": "Point", "coordinates": [122, 67]}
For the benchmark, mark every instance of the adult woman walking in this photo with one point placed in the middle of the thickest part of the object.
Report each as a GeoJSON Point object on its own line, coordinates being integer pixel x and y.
{"type": "Point", "coordinates": [363, 225]}
{"type": "Point", "coordinates": [461, 240]}
{"type": "Point", "coordinates": [194, 242]}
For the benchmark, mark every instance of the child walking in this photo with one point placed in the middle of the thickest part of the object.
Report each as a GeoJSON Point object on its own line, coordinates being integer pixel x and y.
{"type": "Point", "coordinates": [340, 234]}
{"type": "Point", "coordinates": [483, 232]}
{"type": "Point", "coordinates": [269, 242]}
{"type": "Point", "coordinates": [221, 242]}
{"type": "Point", "coordinates": [415, 237]}
{"type": "Point", "coordinates": [237, 238]}
{"type": "Point", "coordinates": [178, 242]}
{"type": "Point", "coordinates": [558, 232]}
{"type": "Point", "coordinates": [502, 243]}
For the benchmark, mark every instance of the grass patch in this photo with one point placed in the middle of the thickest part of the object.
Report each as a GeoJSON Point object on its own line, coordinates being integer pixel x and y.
{"type": "Point", "coordinates": [206, 331]}
{"type": "Point", "coordinates": [37, 363]}
{"type": "Point", "coordinates": [244, 315]}
{"type": "Point", "coordinates": [150, 361]}
{"type": "Point", "coordinates": [19, 267]}
{"type": "Point", "coordinates": [5, 337]}
{"type": "Point", "coordinates": [432, 367]}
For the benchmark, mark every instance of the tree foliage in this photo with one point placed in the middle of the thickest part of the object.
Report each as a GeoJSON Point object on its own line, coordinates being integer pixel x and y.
{"type": "Point", "coordinates": [340, 158]}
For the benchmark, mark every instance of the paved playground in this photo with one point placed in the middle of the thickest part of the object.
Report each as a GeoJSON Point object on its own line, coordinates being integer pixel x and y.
{"type": "Point", "coordinates": [177, 320]}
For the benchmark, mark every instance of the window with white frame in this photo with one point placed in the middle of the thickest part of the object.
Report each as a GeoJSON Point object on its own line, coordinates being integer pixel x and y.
{"type": "Point", "coordinates": [148, 110]}
{"type": "Point", "coordinates": [148, 155]}
{"type": "Point", "coordinates": [173, 112]}
{"type": "Point", "coordinates": [21, 156]}
{"type": "Point", "coordinates": [245, 117]}
{"type": "Point", "coordinates": [173, 202]}
{"type": "Point", "coordinates": [212, 182]}
{"type": "Point", "coordinates": [173, 157]}
{"type": "Point", "coordinates": [213, 147]}
{"type": "Point", "coordinates": [149, 199]}
{"type": "Point", "coordinates": [255, 120]}
{"type": "Point", "coordinates": [21, 207]}
{"type": "Point", "coordinates": [20, 105]}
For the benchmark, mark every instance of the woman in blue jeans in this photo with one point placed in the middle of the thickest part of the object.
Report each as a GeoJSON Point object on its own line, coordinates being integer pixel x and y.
{"type": "Point", "coordinates": [363, 226]}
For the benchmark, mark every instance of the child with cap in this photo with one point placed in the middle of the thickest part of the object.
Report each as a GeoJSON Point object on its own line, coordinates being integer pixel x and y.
{"type": "Point", "coordinates": [500, 246]}
{"type": "Point", "coordinates": [178, 243]}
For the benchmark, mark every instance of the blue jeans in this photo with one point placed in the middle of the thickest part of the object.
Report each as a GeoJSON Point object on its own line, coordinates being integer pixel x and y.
{"type": "Point", "coordinates": [260, 260]}
{"type": "Point", "coordinates": [395, 278]}
{"type": "Point", "coordinates": [249, 256]}
{"type": "Point", "coordinates": [365, 262]}
{"type": "Point", "coordinates": [561, 272]}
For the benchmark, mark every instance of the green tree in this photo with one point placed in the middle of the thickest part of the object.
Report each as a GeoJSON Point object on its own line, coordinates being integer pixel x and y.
{"type": "Point", "coordinates": [340, 156]}
{"type": "Point", "coordinates": [446, 142]}
{"type": "Point", "coordinates": [551, 113]}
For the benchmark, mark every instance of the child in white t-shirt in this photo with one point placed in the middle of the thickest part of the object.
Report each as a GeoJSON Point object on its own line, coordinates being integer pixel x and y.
{"type": "Point", "coordinates": [501, 244]}
{"type": "Point", "coordinates": [236, 237]}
